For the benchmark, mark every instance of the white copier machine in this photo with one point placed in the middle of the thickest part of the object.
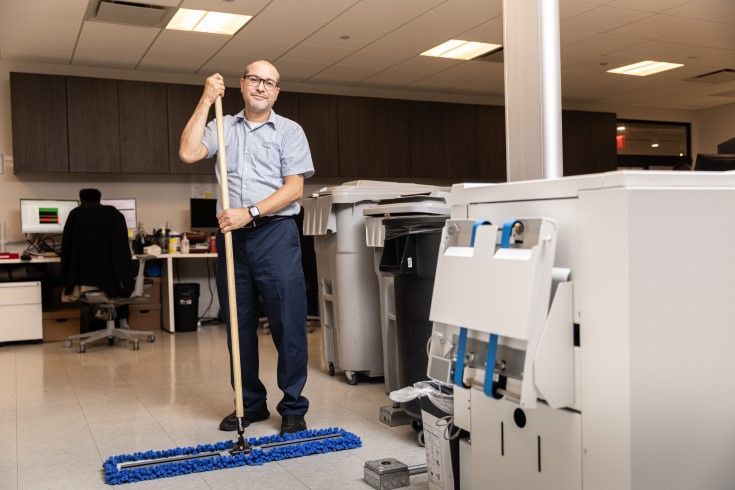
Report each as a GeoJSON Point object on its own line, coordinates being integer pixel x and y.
{"type": "Point", "coordinates": [606, 305]}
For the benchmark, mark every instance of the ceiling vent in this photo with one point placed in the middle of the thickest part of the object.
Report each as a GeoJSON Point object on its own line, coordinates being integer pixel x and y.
{"type": "Point", "coordinates": [129, 13]}
{"type": "Point", "coordinates": [492, 57]}
{"type": "Point", "coordinates": [719, 76]}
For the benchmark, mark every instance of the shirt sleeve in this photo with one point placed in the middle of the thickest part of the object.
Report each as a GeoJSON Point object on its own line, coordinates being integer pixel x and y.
{"type": "Point", "coordinates": [210, 138]}
{"type": "Point", "coordinates": [296, 156]}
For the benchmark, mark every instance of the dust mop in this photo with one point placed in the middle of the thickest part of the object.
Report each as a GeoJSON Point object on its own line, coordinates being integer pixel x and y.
{"type": "Point", "coordinates": [150, 465]}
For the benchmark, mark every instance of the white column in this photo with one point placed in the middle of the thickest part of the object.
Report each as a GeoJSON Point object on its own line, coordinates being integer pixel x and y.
{"type": "Point", "coordinates": [532, 89]}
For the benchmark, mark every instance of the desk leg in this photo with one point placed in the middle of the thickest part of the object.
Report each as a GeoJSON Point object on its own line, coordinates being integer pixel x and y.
{"type": "Point", "coordinates": [168, 298]}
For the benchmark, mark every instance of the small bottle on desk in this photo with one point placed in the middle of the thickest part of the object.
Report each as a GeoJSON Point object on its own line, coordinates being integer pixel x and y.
{"type": "Point", "coordinates": [184, 245]}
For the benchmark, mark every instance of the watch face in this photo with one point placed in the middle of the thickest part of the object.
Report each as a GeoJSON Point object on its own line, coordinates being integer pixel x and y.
{"type": "Point", "coordinates": [254, 212]}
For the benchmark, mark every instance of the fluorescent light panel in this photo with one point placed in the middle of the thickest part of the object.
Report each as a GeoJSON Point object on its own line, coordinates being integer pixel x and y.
{"type": "Point", "coordinates": [205, 21]}
{"type": "Point", "coordinates": [460, 49]}
{"type": "Point", "coordinates": [645, 68]}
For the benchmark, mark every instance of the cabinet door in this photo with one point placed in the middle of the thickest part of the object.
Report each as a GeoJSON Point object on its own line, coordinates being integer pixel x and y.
{"type": "Point", "coordinates": [442, 140]}
{"type": "Point", "coordinates": [373, 138]}
{"type": "Point", "coordinates": [490, 144]}
{"type": "Point", "coordinates": [287, 105]}
{"type": "Point", "coordinates": [94, 132]}
{"type": "Point", "coordinates": [182, 100]}
{"type": "Point", "coordinates": [318, 117]}
{"type": "Point", "coordinates": [143, 127]}
{"type": "Point", "coordinates": [589, 142]}
{"type": "Point", "coordinates": [38, 105]}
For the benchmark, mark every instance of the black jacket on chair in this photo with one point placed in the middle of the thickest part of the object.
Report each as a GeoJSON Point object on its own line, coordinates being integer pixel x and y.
{"type": "Point", "coordinates": [95, 251]}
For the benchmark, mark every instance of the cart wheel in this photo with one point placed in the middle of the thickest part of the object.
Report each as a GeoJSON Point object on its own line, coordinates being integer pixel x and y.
{"type": "Point", "coordinates": [82, 349]}
{"type": "Point", "coordinates": [110, 340]}
{"type": "Point", "coordinates": [417, 426]}
{"type": "Point", "coordinates": [420, 438]}
{"type": "Point", "coordinates": [136, 345]}
{"type": "Point", "coordinates": [67, 343]}
{"type": "Point", "coordinates": [351, 378]}
{"type": "Point", "coordinates": [331, 369]}
{"type": "Point", "coordinates": [151, 338]}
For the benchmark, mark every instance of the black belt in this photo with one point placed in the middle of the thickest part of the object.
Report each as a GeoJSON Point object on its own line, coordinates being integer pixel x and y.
{"type": "Point", "coordinates": [257, 222]}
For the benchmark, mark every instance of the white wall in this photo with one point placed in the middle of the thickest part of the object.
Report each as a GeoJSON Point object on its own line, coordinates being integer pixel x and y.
{"type": "Point", "coordinates": [714, 126]}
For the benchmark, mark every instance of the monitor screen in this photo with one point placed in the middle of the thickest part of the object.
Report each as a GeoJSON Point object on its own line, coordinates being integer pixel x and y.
{"type": "Point", "coordinates": [203, 213]}
{"type": "Point", "coordinates": [714, 163]}
{"type": "Point", "coordinates": [44, 215]}
{"type": "Point", "coordinates": [127, 208]}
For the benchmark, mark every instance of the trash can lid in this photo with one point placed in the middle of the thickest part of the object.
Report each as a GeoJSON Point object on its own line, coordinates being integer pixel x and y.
{"type": "Point", "coordinates": [372, 190]}
{"type": "Point", "coordinates": [433, 203]}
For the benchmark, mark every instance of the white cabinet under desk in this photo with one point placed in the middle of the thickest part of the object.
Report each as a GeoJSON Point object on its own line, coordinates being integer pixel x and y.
{"type": "Point", "coordinates": [20, 311]}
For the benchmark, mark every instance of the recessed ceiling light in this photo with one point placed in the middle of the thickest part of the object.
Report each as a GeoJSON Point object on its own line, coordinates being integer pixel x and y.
{"type": "Point", "coordinates": [459, 49]}
{"type": "Point", "coordinates": [205, 21]}
{"type": "Point", "coordinates": [621, 128]}
{"type": "Point", "coordinates": [654, 145]}
{"type": "Point", "coordinates": [645, 68]}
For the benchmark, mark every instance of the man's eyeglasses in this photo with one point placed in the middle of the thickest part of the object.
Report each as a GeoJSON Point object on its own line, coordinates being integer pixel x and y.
{"type": "Point", "coordinates": [254, 81]}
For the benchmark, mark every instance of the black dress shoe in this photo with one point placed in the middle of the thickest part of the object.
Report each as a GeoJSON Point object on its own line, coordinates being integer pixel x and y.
{"type": "Point", "coordinates": [229, 423]}
{"type": "Point", "coordinates": [292, 423]}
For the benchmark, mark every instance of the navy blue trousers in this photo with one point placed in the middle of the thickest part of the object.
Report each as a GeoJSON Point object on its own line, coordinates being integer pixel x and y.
{"type": "Point", "coordinates": [268, 264]}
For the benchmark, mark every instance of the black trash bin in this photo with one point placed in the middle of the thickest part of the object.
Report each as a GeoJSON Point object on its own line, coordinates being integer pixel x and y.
{"type": "Point", "coordinates": [410, 252]}
{"type": "Point", "coordinates": [186, 306]}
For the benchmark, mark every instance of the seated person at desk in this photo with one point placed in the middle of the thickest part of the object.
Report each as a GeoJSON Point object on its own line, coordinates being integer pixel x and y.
{"type": "Point", "coordinates": [95, 253]}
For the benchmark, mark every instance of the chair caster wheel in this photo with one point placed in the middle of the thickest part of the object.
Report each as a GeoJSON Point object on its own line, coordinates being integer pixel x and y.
{"type": "Point", "coordinates": [67, 343]}
{"type": "Point", "coordinates": [82, 349]}
{"type": "Point", "coordinates": [331, 369]}
{"type": "Point", "coordinates": [420, 438]}
{"type": "Point", "coordinates": [136, 345]}
{"type": "Point", "coordinates": [151, 338]}
{"type": "Point", "coordinates": [351, 378]}
{"type": "Point", "coordinates": [110, 340]}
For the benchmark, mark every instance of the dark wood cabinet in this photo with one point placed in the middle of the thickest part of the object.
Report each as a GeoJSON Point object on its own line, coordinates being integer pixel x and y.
{"type": "Point", "coordinates": [589, 142]}
{"type": "Point", "coordinates": [318, 116]}
{"type": "Point", "coordinates": [443, 140]}
{"type": "Point", "coordinates": [490, 136]}
{"type": "Point", "coordinates": [287, 105]}
{"type": "Point", "coordinates": [94, 132]}
{"type": "Point", "coordinates": [143, 127]}
{"type": "Point", "coordinates": [38, 105]}
{"type": "Point", "coordinates": [373, 138]}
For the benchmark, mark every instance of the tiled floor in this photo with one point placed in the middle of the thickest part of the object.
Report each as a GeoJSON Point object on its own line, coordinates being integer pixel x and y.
{"type": "Point", "coordinates": [62, 413]}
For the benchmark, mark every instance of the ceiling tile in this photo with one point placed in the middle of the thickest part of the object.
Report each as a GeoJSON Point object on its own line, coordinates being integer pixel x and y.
{"type": "Point", "coordinates": [177, 60]}
{"type": "Point", "coordinates": [647, 5]}
{"type": "Point", "coordinates": [704, 9]}
{"type": "Point", "coordinates": [477, 8]}
{"type": "Point", "coordinates": [375, 59]}
{"type": "Point", "coordinates": [189, 41]}
{"type": "Point", "coordinates": [259, 48]}
{"type": "Point", "coordinates": [598, 45]}
{"type": "Point", "coordinates": [294, 70]}
{"type": "Point", "coordinates": [68, 9]}
{"type": "Point", "coordinates": [376, 17]}
{"type": "Point", "coordinates": [316, 53]}
{"type": "Point", "coordinates": [457, 76]}
{"type": "Point", "coordinates": [408, 44]}
{"type": "Point", "coordinates": [343, 74]}
{"type": "Point", "coordinates": [572, 8]}
{"type": "Point", "coordinates": [704, 33]}
{"type": "Point", "coordinates": [36, 26]}
{"type": "Point", "coordinates": [323, 12]}
{"type": "Point", "coordinates": [653, 27]}
{"type": "Point", "coordinates": [603, 19]}
{"type": "Point", "coordinates": [442, 25]}
{"type": "Point", "coordinates": [410, 71]}
{"type": "Point", "coordinates": [229, 66]}
{"type": "Point", "coordinates": [331, 34]}
{"type": "Point", "coordinates": [489, 32]}
{"type": "Point", "coordinates": [571, 36]}
{"type": "Point", "coordinates": [39, 50]}
{"type": "Point", "coordinates": [278, 29]}
{"type": "Point", "coordinates": [107, 56]}
{"type": "Point", "coordinates": [413, 4]}
{"type": "Point", "coordinates": [101, 34]}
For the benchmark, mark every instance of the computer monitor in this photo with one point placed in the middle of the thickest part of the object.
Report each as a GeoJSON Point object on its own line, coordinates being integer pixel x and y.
{"type": "Point", "coordinates": [127, 208]}
{"type": "Point", "coordinates": [203, 213]}
{"type": "Point", "coordinates": [45, 215]}
{"type": "Point", "coordinates": [714, 163]}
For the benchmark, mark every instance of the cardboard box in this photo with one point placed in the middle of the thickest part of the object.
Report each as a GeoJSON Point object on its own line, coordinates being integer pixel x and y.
{"type": "Point", "coordinates": [152, 288]}
{"type": "Point", "coordinates": [59, 324]}
{"type": "Point", "coordinates": [145, 317]}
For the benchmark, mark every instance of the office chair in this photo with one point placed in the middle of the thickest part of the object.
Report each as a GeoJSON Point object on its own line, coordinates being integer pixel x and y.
{"type": "Point", "coordinates": [100, 299]}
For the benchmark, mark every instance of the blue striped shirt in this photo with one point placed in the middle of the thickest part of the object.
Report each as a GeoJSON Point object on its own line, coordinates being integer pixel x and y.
{"type": "Point", "coordinates": [259, 156]}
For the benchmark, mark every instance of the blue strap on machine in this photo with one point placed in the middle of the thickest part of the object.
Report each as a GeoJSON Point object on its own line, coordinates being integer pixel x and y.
{"type": "Point", "coordinates": [507, 232]}
{"type": "Point", "coordinates": [462, 340]}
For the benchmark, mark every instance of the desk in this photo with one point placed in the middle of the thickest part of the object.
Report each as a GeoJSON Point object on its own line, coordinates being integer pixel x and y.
{"type": "Point", "coordinates": [167, 299]}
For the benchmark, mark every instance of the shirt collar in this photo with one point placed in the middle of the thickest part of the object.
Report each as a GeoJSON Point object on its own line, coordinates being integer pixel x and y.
{"type": "Point", "coordinates": [240, 117]}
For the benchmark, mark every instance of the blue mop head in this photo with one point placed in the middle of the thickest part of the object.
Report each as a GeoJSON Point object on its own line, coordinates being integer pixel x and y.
{"type": "Point", "coordinates": [115, 476]}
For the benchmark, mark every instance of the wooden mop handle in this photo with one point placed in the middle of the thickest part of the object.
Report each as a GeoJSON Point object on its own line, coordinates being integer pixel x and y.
{"type": "Point", "coordinates": [229, 262]}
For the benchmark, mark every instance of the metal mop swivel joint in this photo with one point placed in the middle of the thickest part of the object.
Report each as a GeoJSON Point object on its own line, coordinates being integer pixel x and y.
{"type": "Point", "coordinates": [150, 465]}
